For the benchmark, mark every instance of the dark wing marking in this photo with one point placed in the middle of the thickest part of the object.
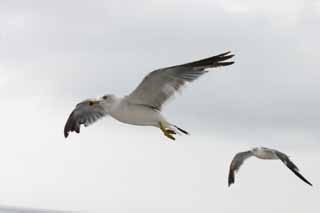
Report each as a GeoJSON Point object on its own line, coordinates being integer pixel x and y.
{"type": "Point", "coordinates": [236, 162]}
{"type": "Point", "coordinates": [85, 113]}
{"type": "Point", "coordinates": [285, 159]}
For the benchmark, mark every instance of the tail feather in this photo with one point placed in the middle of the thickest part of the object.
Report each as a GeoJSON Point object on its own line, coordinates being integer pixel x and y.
{"type": "Point", "coordinates": [181, 130]}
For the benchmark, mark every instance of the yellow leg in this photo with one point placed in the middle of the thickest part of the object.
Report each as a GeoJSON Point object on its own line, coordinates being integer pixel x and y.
{"type": "Point", "coordinates": [167, 132]}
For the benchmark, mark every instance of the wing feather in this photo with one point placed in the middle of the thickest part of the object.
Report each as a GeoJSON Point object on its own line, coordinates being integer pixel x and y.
{"type": "Point", "coordinates": [85, 113]}
{"type": "Point", "coordinates": [236, 162]}
{"type": "Point", "coordinates": [286, 160]}
{"type": "Point", "coordinates": [158, 86]}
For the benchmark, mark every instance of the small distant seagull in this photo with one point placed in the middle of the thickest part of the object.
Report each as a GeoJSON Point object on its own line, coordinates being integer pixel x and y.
{"type": "Point", "coordinates": [262, 153]}
{"type": "Point", "coordinates": [143, 106]}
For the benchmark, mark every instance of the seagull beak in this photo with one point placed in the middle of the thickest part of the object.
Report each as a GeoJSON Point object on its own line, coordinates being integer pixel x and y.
{"type": "Point", "coordinates": [93, 102]}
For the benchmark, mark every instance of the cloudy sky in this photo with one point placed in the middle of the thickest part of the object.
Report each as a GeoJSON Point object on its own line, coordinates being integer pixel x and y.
{"type": "Point", "coordinates": [54, 54]}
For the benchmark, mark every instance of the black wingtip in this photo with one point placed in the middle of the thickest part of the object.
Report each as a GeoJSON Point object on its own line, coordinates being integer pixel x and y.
{"type": "Point", "coordinates": [230, 178]}
{"type": "Point", "coordinates": [213, 61]}
{"type": "Point", "coordinates": [226, 63]}
{"type": "Point", "coordinates": [301, 177]}
{"type": "Point", "coordinates": [285, 159]}
{"type": "Point", "coordinates": [223, 57]}
{"type": "Point", "coordinates": [225, 53]}
{"type": "Point", "coordinates": [71, 125]}
{"type": "Point", "coordinates": [65, 130]}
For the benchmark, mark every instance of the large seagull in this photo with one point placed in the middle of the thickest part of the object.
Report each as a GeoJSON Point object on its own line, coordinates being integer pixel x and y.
{"type": "Point", "coordinates": [143, 106]}
{"type": "Point", "coordinates": [265, 154]}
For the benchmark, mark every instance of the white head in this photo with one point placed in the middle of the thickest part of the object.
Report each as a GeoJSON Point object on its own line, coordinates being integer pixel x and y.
{"type": "Point", "coordinates": [255, 149]}
{"type": "Point", "coordinates": [107, 101]}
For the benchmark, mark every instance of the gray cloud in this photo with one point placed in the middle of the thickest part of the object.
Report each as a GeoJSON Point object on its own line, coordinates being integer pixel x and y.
{"type": "Point", "coordinates": [56, 53]}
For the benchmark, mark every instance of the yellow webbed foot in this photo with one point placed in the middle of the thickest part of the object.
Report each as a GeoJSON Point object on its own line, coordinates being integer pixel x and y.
{"type": "Point", "coordinates": [169, 135]}
{"type": "Point", "coordinates": [167, 132]}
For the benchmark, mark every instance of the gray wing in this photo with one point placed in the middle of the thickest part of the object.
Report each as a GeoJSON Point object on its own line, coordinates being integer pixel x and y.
{"type": "Point", "coordinates": [236, 162]}
{"type": "Point", "coordinates": [86, 113]}
{"type": "Point", "coordinates": [159, 85]}
{"type": "Point", "coordinates": [285, 159]}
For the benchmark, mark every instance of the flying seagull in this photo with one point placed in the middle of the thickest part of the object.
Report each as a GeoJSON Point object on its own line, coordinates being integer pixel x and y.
{"type": "Point", "coordinates": [143, 106]}
{"type": "Point", "coordinates": [265, 154]}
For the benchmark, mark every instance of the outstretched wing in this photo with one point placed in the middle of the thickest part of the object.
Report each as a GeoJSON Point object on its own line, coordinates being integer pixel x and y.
{"type": "Point", "coordinates": [285, 159]}
{"type": "Point", "coordinates": [86, 113]}
{"type": "Point", "coordinates": [236, 162]}
{"type": "Point", "coordinates": [158, 86]}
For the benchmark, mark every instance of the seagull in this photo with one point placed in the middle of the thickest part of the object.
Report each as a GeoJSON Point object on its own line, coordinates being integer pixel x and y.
{"type": "Point", "coordinates": [144, 105]}
{"type": "Point", "coordinates": [265, 154]}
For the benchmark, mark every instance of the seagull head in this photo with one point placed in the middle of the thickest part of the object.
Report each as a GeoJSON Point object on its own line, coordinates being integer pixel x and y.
{"type": "Point", "coordinates": [255, 149]}
{"type": "Point", "coordinates": [107, 100]}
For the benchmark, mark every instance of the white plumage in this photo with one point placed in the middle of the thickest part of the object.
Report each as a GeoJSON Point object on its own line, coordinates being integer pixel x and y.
{"type": "Point", "coordinates": [143, 106]}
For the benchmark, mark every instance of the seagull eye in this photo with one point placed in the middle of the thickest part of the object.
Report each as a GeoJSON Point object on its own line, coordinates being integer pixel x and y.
{"type": "Point", "coordinates": [91, 103]}
{"type": "Point", "coordinates": [105, 97]}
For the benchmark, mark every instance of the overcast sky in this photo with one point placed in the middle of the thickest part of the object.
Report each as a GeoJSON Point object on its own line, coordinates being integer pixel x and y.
{"type": "Point", "coordinates": [54, 54]}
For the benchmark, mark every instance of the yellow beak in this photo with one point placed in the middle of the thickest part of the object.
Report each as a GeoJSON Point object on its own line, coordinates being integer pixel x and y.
{"type": "Point", "coordinates": [93, 102]}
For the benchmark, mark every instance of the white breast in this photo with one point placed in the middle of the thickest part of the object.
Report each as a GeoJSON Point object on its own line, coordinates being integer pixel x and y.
{"type": "Point", "coordinates": [136, 114]}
